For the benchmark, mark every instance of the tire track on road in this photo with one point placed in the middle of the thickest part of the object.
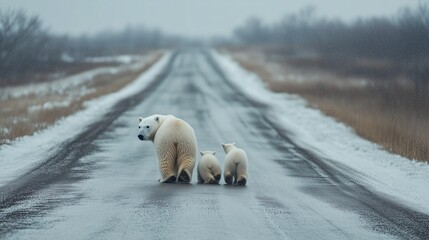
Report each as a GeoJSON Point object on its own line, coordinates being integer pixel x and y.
{"type": "Point", "coordinates": [57, 167]}
{"type": "Point", "coordinates": [385, 215]}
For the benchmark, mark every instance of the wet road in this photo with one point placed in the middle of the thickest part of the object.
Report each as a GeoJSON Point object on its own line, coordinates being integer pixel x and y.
{"type": "Point", "coordinates": [103, 183]}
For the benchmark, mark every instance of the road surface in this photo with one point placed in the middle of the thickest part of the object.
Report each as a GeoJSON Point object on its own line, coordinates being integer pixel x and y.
{"type": "Point", "coordinates": [103, 184]}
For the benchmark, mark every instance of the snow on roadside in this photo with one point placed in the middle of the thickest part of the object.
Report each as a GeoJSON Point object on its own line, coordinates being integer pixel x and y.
{"type": "Point", "coordinates": [26, 152]}
{"type": "Point", "coordinates": [391, 174]}
{"type": "Point", "coordinates": [62, 85]}
{"type": "Point", "coordinates": [123, 59]}
{"type": "Point", "coordinates": [49, 105]}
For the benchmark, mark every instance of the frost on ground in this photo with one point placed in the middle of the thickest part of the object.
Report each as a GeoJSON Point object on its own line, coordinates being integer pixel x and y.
{"type": "Point", "coordinates": [26, 152]}
{"type": "Point", "coordinates": [388, 173]}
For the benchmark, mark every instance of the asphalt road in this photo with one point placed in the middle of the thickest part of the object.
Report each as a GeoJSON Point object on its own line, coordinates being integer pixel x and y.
{"type": "Point", "coordinates": [103, 184]}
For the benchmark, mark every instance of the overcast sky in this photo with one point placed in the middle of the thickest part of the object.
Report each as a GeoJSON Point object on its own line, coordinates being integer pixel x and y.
{"type": "Point", "coordinates": [194, 18]}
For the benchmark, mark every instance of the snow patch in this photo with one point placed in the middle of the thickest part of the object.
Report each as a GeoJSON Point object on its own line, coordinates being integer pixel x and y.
{"type": "Point", "coordinates": [62, 86]}
{"type": "Point", "coordinates": [392, 174]}
{"type": "Point", "coordinates": [123, 59]}
{"type": "Point", "coordinates": [28, 151]}
{"type": "Point", "coordinates": [49, 106]}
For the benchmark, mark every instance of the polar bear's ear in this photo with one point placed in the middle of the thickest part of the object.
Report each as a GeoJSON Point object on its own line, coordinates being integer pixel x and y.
{"type": "Point", "coordinates": [140, 119]}
{"type": "Point", "coordinates": [213, 152]}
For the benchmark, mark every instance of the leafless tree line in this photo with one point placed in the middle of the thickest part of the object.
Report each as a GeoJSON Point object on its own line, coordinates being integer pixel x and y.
{"type": "Point", "coordinates": [24, 44]}
{"type": "Point", "coordinates": [131, 40]}
{"type": "Point", "coordinates": [27, 47]}
{"type": "Point", "coordinates": [402, 39]}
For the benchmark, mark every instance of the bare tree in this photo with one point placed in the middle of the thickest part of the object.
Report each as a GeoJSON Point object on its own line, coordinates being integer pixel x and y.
{"type": "Point", "coordinates": [402, 40]}
{"type": "Point", "coordinates": [21, 38]}
{"type": "Point", "coordinates": [27, 48]}
{"type": "Point", "coordinates": [253, 32]}
{"type": "Point", "coordinates": [414, 28]}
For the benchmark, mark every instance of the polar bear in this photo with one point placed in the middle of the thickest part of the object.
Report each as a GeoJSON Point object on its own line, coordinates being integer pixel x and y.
{"type": "Point", "coordinates": [175, 143]}
{"type": "Point", "coordinates": [209, 170]}
{"type": "Point", "coordinates": [236, 164]}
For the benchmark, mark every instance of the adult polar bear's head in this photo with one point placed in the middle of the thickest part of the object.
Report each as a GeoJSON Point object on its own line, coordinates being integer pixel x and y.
{"type": "Point", "coordinates": [148, 127]}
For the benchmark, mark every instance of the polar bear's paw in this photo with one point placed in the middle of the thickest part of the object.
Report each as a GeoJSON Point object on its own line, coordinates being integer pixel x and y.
{"type": "Point", "coordinates": [171, 179]}
{"type": "Point", "coordinates": [212, 180]}
{"type": "Point", "coordinates": [242, 181]}
{"type": "Point", "coordinates": [228, 179]}
{"type": "Point", "coordinates": [184, 177]}
{"type": "Point", "coordinates": [217, 178]}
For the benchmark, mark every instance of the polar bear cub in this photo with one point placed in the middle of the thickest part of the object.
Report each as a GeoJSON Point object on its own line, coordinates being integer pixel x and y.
{"type": "Point", "coordinates": [236, 164]}
{"type": "Point", "coordinates": [209, 170]}
{"type": "Point", "coordinates": [175, 143]}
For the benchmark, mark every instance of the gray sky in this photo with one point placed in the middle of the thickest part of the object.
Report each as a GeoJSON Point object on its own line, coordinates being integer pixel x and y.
{"type": "Point", "coordinates": [195, 18]}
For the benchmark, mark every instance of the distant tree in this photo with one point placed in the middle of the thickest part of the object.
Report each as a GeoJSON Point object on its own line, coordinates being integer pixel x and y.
{"type": "Point", "coordinates": [296, 31]}
{"type": "Point", "coordinates": [24, 45]}
{"type": "Point", "coordinates": [253, 32]}
{"type": "Point", "coordinates": [16, 30]}
{"type": "Point", "coordinates": [402, 40]}
{"type": "Point", "coordinates": [414, 48]}
{"type": "Point", "coordinates": [27, 48]}
{"type": "Point", "coordinates": [131, 40]}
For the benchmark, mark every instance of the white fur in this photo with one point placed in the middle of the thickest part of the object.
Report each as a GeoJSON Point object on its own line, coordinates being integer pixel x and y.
{"type": "Point", "coordinates": [236, 164]}
{"type": "Point", "coordinates": [175, 144]}
{"type": "Point", "coordinates": [209, 170]}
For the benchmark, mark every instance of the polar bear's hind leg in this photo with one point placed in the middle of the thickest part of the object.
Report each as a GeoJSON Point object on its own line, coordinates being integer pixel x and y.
{"type": "Point", "coordinates": [217, 178]}
{"type": "Point", "coordinates": [228, 178]}
{"type": "Point", "coordinates": [210, 179]}
{"type": "Point", "coordinates": [242, 181]}
{"type": "Point", "coordinates": [184, 177]}
{"type": "Point", "coordinates": [229, 171]}
{"type": "Point", "coordinates": [171, 179]}
{"type": "Point", "coordinates": [241, 178]}
{"type": "Point", "coordinates": [186, 154]}
{"type": "Point", "coordinates": [185, 168]}
{"type": "Point", "coordinates": [168, 167]}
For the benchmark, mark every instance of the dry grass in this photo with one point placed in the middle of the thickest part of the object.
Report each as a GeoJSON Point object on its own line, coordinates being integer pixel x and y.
{"type": "Point", "coordinates": [17, 120]}
{"type": "Point", "coordinates": [388, 115]}
{"type": "Point", "coordinates": [45, 75]}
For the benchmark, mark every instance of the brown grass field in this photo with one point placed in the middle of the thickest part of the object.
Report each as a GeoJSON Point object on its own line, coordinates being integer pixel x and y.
{"type": "Point", "coordinates": [387, 114]}
{"type": "Point", "coordinates": [16, 120]}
